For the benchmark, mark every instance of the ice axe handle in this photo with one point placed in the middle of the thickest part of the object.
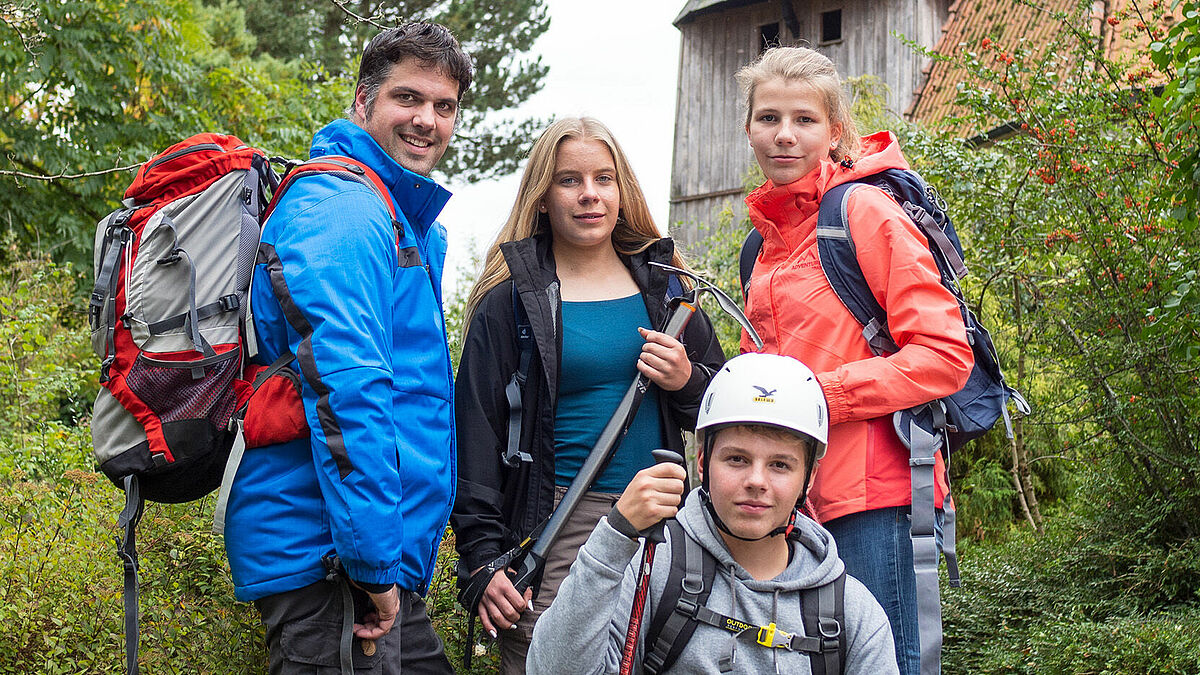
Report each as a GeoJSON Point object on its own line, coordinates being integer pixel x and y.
{"type": "Point", "coordinates": [655, 532]}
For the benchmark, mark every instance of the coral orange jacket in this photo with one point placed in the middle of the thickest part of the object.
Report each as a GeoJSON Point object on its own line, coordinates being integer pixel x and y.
{"type": "Point", "coordinates": [797, 313]}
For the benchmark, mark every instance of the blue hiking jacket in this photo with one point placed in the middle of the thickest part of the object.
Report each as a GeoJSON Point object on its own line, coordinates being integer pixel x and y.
{"type": "Point", "coordinates": [375, 481]}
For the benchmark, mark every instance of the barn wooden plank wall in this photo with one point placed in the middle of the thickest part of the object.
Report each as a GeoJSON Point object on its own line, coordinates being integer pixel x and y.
{"type": "Point", "coordinates": [711, 154]}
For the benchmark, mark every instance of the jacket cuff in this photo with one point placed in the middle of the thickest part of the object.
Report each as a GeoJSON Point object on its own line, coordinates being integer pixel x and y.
{"type": "Point", "coordinates": [835, 397]}
{"type": "Point", "coordinates": [618, 522]}
{"type": "Point", "coordinates": [369, 577]}
{"type": "Point", "coordinates": [696, 384]}
{"type": "Point", "coordinates": [374, 588]}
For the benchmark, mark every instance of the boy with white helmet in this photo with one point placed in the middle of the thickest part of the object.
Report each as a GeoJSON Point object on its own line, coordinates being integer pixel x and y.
{"type": "Point", "coordinates": [745, 583]}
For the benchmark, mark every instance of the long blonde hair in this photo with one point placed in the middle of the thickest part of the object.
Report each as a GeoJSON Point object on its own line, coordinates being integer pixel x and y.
{"type": "Point", "coordinates": [635, 229]}
{"type": "Point", "coordinates": [800, 64]}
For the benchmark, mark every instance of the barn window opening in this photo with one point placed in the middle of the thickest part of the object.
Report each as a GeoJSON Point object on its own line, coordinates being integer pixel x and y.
{"type": "Point", "coordinates": [831, 25]}
{"type": "Point", "coordinates": [768, 36]}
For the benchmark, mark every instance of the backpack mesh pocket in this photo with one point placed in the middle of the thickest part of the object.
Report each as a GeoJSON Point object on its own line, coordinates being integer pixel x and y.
{"type": "Point", "coordinates": [174, 393]}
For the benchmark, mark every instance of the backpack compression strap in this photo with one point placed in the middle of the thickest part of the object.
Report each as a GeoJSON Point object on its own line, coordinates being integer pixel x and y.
{"type": "Point", "coordinates": [513, 455]}
{"type": "Point", "coordinates": [922, 429]}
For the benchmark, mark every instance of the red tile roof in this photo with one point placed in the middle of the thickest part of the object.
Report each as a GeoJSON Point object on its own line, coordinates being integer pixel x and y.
{"type": "Point", "coordinates": [1008, 24]}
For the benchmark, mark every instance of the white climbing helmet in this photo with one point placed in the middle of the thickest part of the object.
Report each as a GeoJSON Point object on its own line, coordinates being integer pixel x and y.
{"type": "Point", "coordinates": [766, 389]}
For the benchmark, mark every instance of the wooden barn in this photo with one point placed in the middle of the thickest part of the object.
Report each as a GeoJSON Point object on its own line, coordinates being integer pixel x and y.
{"type": "Point", "coordinates": [711, 153]}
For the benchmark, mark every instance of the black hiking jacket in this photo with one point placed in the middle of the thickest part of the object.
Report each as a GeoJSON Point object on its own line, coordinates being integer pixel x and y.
{"type": "Point", "coordinates": [497, 506]}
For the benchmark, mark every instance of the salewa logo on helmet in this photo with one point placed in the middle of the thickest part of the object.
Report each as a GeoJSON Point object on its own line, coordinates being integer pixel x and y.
{"type": "Point", "coordinates": [765, 395]}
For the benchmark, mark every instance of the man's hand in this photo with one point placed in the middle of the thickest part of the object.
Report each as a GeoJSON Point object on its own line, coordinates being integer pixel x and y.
{"type": "Point", "coordinates": [653, 495]}
{"type": "Point", "coordinates": [664, 360]}
{"type": "Point", "coordinates": [501, 604]}
{"type": "Point", "coordinates": [379, 620]}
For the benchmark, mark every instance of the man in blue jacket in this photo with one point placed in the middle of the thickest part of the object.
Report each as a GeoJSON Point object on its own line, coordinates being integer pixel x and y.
{"type": "Point", "coordinates": [355, 513]}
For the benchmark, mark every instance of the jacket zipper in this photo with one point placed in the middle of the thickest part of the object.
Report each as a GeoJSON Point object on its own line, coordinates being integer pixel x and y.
{"type": "Point", "coordinates": [186, 151]}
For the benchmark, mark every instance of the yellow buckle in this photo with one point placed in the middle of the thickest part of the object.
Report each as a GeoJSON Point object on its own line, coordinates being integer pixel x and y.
{"type": "Point", "coordinates": [766, 635]}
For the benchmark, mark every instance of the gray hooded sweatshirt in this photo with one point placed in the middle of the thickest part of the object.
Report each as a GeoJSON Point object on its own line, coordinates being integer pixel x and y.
{"type": "Point", "coordinates": [583, 631]}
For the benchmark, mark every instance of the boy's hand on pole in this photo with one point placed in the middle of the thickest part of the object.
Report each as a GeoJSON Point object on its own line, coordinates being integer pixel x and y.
{"type": "Point", "coordinates": [664, 360]}
{"type": "Point", "coordinates": [653, 495]}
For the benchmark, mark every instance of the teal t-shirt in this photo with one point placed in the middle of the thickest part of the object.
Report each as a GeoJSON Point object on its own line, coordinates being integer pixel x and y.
{"type": "Point", "coordinates": [600, 349]}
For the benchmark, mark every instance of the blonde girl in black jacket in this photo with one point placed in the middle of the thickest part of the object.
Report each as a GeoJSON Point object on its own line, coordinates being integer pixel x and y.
{"type": "Point", "coordinates": [577, 246]}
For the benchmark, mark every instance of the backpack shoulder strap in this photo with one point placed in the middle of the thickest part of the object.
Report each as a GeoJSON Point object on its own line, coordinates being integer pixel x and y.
{"type": "Point", "coordinates": [749, 253]}
{"type": "Point", "coordinates": [839, 263]}
{"type": "Point", "coordinates": [336, 165]}
{"type": "Point", "coordinates": [689, 583]}
{"type": "Point", "coordinates": [513, 455]}
{"type": "Point", "coordinates": [823, 610]}
{"type": "Point", "coordinates": [674, 287]}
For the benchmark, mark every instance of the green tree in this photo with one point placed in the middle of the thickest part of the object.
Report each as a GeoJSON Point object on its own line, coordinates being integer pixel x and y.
{"type": "Point", "coordinates": [1082, 249]}
{"type": "Point", "coordinates": [88, 89]}
{"type": "Point", "coordinates": [498, 33]}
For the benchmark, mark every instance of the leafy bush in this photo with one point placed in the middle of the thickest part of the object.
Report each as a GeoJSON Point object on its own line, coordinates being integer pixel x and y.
{"type": "Point", "coordinates": [62, 600]}
{"type": "Point", "coordinates": [1021, 610]}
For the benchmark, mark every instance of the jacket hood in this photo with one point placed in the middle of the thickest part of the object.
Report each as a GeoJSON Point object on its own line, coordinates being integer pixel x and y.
{"type": "Point", "coordinates": [820, 566]}
{"type": "Point", "coordinates": [771, 205]}
{"type": "Point", "coordinates": [417, 197]}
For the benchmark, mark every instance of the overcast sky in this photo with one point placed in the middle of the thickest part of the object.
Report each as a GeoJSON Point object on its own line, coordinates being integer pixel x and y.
{"type": "Point", "coordinates": [617, 61]}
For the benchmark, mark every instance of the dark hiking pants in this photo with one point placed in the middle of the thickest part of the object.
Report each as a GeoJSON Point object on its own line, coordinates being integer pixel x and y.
{"type": "Point", "coordinates": [304, 630]}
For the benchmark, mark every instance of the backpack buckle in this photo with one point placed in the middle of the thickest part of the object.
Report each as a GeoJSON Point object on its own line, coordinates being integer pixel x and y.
{"type": "Point", "coordinates": [687, 607]}
{"type": "Point", "coordinates": [830, 630]}
{"type": "Point", "coordinates": [229, 302]}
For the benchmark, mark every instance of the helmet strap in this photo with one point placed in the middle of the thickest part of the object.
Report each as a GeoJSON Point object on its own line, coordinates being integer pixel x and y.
{"type": "Point", "coordinates": [786, 529]}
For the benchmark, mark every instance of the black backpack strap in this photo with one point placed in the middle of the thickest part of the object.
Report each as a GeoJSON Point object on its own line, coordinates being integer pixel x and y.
{"type": "Point", "coordinates": [749, 253]}
{"type": "Point", "coordinates": [127, 552]}
{"type": "Point", "coordinates": [102, 312]}
{"type": "Point", "coordinates": [839, 263]}
{"type": "Point", "coordinates": [674, 287]}
{"type": "Point", "coordinates": [823, 610]}
{"type": "Point", "coordinates": [513, 455]}
{"type": "Point", "coordinates": [689, 583]}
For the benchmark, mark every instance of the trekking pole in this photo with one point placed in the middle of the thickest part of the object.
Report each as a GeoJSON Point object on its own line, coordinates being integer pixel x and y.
{"type": "Point", "coordinates": [654, 536]}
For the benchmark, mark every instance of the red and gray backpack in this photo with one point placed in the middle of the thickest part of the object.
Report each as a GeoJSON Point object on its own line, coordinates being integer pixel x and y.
{"type": "Point", "coordinates": [171, 321]}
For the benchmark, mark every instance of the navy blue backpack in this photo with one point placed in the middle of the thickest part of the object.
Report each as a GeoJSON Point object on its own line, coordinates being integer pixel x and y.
{"type": "Point", "coordinates": [944, 424]}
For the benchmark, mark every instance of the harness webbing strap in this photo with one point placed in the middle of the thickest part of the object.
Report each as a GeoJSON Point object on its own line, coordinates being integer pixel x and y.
{"type": "Point", "coordinates": [335, 573]}
{"type": "Point", "coordinates": [923, 446]}
{"type": "Point", "coordinates": [127, 552]}
{"type": "Point", "coordinates": [513, 455]}
{"type": "Point", "coordinates": [239, 444]}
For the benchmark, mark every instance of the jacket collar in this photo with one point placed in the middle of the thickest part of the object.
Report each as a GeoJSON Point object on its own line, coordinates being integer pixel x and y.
{"type": "Point", "coordinates": [778, 211]}
{"type": "Point", "coordinates": [417, 197]}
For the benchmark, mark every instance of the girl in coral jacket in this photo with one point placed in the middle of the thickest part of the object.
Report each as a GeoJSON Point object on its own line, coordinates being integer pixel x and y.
{"type": "Point", "coordinates": [799, 126]}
